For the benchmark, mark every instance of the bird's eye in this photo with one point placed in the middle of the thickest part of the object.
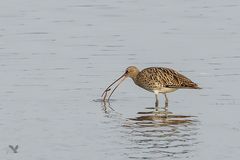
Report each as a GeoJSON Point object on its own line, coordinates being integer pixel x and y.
{"type": "Point", "coordinates": [126, 71]}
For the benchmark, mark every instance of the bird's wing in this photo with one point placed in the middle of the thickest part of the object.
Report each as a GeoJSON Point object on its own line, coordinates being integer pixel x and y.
{"type": "Point", "coordinates": [173, 79]}
{"type": "Point", "coordinates": [170, 78]}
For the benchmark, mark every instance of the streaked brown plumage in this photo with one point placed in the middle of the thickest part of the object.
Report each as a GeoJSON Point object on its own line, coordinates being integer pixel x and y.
{"type": "Point", "coordinates": [155, 79]}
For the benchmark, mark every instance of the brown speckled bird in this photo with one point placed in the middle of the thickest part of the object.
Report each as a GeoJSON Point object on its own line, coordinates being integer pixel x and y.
{"type": "Point", "coordinates": [156, 80]}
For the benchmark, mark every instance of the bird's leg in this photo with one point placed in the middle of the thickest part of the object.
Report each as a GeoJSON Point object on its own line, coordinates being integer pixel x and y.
{"type": "Point", "coordinates": [156, 103]}
{"type": "Point", "coordinates": [166, 101]}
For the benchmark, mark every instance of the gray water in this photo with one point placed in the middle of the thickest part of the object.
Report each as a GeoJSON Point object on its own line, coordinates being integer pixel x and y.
{"type": "Point", "coordinates": [57, 57]}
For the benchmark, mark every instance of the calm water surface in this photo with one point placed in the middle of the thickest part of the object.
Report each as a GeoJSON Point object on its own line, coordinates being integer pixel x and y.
{"type": "Point", "coordinates": [56, 58]}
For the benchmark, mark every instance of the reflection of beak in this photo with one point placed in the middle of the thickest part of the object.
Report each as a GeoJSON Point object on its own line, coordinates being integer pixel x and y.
{"type": "Point", "coordinates": [120, 79]}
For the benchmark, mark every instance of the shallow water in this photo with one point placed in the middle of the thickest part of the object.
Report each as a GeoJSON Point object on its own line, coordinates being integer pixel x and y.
{"type": "Point", "coordinates": [57, 57]}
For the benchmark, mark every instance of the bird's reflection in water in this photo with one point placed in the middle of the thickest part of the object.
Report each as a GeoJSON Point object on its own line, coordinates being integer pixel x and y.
{"type": "Point", "coordinates": [161, 118]}
{"type": "Point", "coordinates": [157, 134]}
{"type": "Point", "coordinates": [107, 107]}
{"type": "Point", "coordinates": [108, 110]}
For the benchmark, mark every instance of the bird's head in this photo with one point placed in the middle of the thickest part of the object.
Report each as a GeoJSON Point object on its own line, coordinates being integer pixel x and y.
{"type": "Point", "coordinates": [131, 71]}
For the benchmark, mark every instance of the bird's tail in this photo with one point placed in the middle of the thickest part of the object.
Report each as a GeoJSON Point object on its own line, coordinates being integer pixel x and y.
{"type": "Point", "coordinates": [195, 86]}
{"type": "Point", "coordinates": [191, 85]}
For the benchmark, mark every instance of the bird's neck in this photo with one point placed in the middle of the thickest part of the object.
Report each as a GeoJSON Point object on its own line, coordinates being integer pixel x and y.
{"type": "Point", "coordinates": [134, 77]}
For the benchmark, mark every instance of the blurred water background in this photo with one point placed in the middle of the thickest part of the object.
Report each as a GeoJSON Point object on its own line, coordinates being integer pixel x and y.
{"type": "Point", "coordinates": [56, 58]}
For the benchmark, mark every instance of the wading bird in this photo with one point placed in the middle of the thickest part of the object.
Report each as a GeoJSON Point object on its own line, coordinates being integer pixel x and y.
{"type": "Point", "coordinates": [154, 79]}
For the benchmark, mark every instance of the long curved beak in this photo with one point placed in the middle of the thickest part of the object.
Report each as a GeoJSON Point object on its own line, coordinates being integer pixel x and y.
{"type": "Point", "coordinates": [120, 80]}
